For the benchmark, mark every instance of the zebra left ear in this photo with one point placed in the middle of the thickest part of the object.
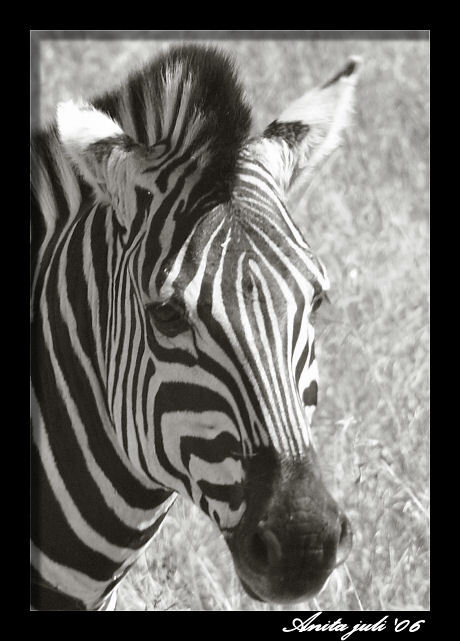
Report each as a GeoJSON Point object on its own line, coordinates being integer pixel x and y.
{"type": "Point", "coordinates": [307, 131]}
{"type": "Point", "coordinates": [97, 145]}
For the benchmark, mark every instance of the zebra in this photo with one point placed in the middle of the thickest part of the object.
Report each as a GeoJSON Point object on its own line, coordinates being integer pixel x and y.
{"type": "Point", "coordinates": [172, 346]}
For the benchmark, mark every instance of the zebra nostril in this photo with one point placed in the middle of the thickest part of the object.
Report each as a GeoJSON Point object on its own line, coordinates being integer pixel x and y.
{"type": "Point", "coordinates": [258, 550]}
{"type": "Point", "coordinates": [345, 541]}
{"type": "Point", "coordinates": [264, 549]}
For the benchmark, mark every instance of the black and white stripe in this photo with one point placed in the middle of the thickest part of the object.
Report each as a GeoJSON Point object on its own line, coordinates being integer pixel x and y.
{"type": "Point", "coordinates": [148, 195]}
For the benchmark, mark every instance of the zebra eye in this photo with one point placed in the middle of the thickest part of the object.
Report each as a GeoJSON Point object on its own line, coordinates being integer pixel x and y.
{"type": "Point", "coordinates": [169, 318]}
{"type": "Point", "coordinates": [317, 302]}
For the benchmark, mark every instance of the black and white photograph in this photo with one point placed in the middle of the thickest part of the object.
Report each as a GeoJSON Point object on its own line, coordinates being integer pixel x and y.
{"type": "Point", "coordinates": [229, 322]}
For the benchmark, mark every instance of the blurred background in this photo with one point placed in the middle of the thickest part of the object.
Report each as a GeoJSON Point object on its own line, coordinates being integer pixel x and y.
{"type": "Point", "coordinates": [366, 215]}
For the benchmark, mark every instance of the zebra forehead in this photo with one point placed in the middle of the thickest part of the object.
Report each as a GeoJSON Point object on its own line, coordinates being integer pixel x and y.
{"type": "Point", "coordinates": [242, 255]}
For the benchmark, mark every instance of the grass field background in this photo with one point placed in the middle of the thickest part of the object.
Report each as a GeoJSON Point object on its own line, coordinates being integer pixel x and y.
{"type": "Point", "coordinates": [366, 215]}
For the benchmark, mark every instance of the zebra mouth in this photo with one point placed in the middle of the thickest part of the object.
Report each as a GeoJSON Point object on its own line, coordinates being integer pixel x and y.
{"type": "Point", "coordinates": [250, 592]}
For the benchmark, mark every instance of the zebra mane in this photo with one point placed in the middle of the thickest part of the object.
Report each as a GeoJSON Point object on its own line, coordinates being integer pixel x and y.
{"type": "Point", "coordinates": [193, 92]}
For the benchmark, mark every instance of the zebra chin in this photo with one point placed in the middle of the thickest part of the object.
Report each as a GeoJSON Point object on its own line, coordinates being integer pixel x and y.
{"type": "Point", "coordinates": [291, 537]}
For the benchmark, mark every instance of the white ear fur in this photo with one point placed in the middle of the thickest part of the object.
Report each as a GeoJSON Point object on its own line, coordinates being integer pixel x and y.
{"type": "Point", "coordinates": [292, 152]}
{"type": "Point", "coordinates": [317, 105]}
{"type": "Point", "coordinates": [326, 110]}
{"type": "Point", "coordinates": [80, 125]}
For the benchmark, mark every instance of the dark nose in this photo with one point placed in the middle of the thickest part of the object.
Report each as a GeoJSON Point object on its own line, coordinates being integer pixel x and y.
{"type": "Point", "coordinates": [265, 547]}
{"type": "Point", "coordinates": [296, 560]}
{"type": "Point", "coordinates": [293, 533]}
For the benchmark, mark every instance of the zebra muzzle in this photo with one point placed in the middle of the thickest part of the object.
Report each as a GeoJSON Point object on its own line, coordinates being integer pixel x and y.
{"type": "Point", "coordinates": [287, 552]}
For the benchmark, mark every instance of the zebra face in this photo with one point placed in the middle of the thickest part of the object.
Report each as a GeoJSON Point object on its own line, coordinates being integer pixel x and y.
{"type": "Point", "coordinates": [215, 296]}
{"type": "Point", "coordinates": [237, 304]}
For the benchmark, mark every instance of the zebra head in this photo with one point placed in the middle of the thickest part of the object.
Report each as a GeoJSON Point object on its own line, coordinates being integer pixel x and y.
{"type": "Point", "coordinates": [208, 349]}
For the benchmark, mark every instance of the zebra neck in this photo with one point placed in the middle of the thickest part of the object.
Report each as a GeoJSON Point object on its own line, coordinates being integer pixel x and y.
{"type": "Point", "coordinates": [77, 293]}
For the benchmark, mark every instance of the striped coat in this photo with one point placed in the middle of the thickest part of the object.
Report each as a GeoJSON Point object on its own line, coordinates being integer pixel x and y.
{"type": "Point", "coordinates": [172, 348]}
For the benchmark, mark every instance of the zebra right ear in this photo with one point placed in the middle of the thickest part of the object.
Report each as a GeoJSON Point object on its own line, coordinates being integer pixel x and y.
{"type": "Point", "coordinates": [97, 146]}
{"type": "Point", "coordinates": [305, 133]}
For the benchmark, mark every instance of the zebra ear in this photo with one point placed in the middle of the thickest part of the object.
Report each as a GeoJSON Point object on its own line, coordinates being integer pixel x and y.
{"type": "Point", "coordinates": [309, 129]}
{"type": "Point", "coordinates": [97, 146]}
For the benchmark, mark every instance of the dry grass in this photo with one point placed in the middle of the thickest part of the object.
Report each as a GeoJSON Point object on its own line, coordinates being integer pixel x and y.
{"type": "Point", "coordinates": [367, 217]}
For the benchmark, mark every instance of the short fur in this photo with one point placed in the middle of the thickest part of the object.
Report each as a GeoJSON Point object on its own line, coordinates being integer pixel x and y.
{"type": "Point", "coordinates": [152, 198]}
{"type": "Point", "coordinates": [214, 93]}
{"type": "Point", "coordinates": [195, 83]}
